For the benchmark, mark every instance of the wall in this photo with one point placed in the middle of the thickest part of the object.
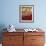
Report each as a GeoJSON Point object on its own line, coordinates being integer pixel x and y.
{"type": "Point", "coordinates": [10, 13]}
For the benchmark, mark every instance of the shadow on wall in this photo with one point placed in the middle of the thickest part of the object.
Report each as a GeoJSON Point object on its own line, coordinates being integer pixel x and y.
{"type": "Point", "coordinates": [2, 26]}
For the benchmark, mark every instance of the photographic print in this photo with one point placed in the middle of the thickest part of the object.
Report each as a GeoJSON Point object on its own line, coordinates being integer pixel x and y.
{"type": "Point", "coordinates": [26, 13]}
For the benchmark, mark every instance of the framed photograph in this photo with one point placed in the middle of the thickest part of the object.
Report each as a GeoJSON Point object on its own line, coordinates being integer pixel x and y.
{"type": "Point", "coordinates": [26, 13]}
